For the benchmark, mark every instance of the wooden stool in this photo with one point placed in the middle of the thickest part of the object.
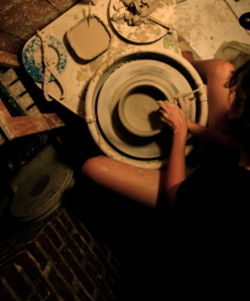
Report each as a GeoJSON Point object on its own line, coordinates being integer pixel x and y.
{"type": "Point", "coordinates": [32, 120]}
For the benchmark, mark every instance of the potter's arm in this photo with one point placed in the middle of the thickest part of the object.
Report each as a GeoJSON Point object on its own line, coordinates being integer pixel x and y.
{"type": "Point", "coordinates": [176, 168]}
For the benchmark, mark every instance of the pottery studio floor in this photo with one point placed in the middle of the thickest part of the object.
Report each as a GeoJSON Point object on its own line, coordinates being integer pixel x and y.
{"type": "Point", "coordinates": [207, 24]}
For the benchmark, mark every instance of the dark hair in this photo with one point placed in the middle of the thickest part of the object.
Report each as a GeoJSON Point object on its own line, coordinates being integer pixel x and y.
{"type": "Point", "coordinates": [240, 83]}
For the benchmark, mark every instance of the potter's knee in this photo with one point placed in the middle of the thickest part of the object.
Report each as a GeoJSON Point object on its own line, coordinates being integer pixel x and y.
{"type": "Point", "coordinates": [90, 165]}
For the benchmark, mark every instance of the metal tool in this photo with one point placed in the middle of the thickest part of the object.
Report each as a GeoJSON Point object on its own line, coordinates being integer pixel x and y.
{"type": "Point", "coordinates": [189, 95]}
{"type": "Point", "coordinates": [89, 12]}
{"type": "Point", "coordinates": [50, 69]}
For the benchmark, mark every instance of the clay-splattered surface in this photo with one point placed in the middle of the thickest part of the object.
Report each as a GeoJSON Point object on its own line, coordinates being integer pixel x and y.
{"type": "Point", "coordinates": [207, 24]}
{"type": "Point", "coordinates": [78, 73]}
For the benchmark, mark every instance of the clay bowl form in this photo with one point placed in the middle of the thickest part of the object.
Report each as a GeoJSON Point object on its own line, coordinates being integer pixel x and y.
{"type": "Point", "coordinates": [138, 109]}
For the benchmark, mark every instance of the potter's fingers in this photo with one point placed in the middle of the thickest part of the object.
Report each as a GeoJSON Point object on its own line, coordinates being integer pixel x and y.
{"type": "Point", "coordinates": [184, 103]}
{"type": "Point", "coordinates": [165, 105]}
{"type": "Point", "coordinates": [172, 109]}
{"type": "Point", "coordinates": [185, 107]}
{"type": "Point", "coordinates": [166, 112]}
{"type": "Point", "coordinates": [161, 104]}
{"type": "Point", "coordinates": [166, 120]}
{"type": "Point", "coordinates": [163, 112]}
{"type": "Point", "coordinates": [165, 115]}
{"type": "Point", "coordinates": [174, 114]}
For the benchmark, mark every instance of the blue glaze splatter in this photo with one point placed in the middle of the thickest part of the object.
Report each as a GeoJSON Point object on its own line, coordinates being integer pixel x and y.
{"type": "Point", "coordinates": [35, 66]}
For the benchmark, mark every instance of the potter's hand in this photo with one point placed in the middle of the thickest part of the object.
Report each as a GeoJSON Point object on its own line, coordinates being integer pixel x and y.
{"type": "Point", "coordinates": [174, 117]}
{"type": "Point", "coordinates": [186, 109]}
{"type": "Point", "coordinates": [176, 171]}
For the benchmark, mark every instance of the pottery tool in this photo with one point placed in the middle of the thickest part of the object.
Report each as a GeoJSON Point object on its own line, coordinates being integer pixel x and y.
{"type": "Point", "coordinates": [188, 96]}
{"type": "Point", "coordinates": [49, 69]}
{"type": "Point", "coordinates": [154, 20]}
{"type": "Point", "coordinates": [89, 12]}
{"type": "Point", "coordinates": [183, 101]}
{"type": "Point", "coordinates": [146, 13]}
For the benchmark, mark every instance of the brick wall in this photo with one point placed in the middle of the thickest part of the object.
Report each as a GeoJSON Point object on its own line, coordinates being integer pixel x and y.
{"type": "Point", "coordinates": [63, 262]}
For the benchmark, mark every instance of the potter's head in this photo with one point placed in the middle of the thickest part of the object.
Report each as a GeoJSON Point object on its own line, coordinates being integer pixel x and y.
{"type": "Point", "coordinates": [239, 114]}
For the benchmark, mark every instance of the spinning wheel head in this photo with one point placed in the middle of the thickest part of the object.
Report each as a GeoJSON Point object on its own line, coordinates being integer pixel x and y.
{"type": "Point", "coordinates": [121, 104]}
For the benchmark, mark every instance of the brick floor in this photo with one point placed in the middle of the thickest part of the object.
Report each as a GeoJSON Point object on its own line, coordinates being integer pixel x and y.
{"type": "Point", "coordinates": [20, 19]}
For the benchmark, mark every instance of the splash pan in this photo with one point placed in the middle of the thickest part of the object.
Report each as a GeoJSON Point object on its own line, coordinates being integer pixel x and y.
{"type": "Point", "coordinates": [121, 104]}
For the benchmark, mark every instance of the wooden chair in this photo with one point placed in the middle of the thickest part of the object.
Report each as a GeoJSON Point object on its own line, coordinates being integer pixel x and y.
{"type": "Point", "coordinates": [30, 119]}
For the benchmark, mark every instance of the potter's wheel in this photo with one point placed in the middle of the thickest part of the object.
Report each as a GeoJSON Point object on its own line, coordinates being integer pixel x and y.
{"type": "Point", "coordinates": [121, 104]}
{"type": "Point", "coordinates": [127, 136]}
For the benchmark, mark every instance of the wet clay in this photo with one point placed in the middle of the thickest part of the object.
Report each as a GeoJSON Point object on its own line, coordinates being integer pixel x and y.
{"type": "Point", "coordinates": [141, 7]}
{"type": "Point", "coordinates": [89, 38]}
{"type": "Point", "coordinates": [130, 20]}
{"type": "Point", "coordinates": [134, 12]}
{"type": "Point", "coordinates": [138, 110]}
